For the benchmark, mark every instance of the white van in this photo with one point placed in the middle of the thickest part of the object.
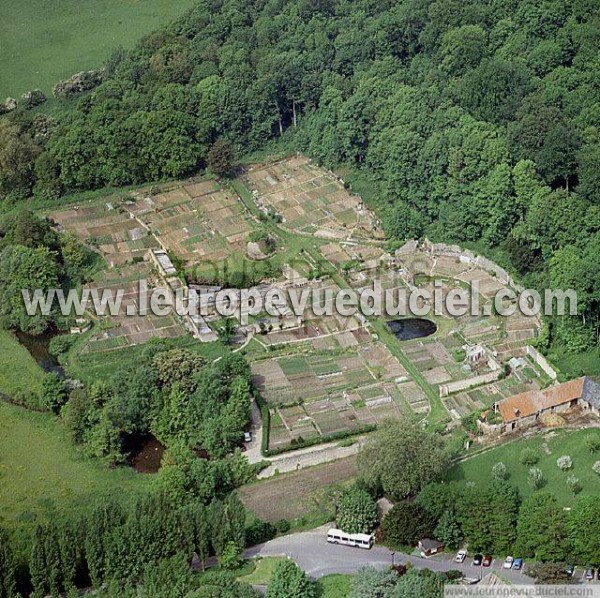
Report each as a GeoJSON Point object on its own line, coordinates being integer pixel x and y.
{"type": "Point", "coordinates": [337, 536]}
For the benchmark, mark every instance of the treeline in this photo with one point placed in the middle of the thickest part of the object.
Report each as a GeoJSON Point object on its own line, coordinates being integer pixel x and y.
{"type": "Point", "coordinates": [33, 255]}
{"type": "Point", "coordinates": [471, 121]}
{"type": "Point", "coordinates": [497, 520]}
{"type": "Point", "coordinates": [148, 548]}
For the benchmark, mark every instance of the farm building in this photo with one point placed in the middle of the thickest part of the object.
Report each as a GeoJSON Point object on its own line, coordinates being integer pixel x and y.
{"type": "Point", "coordinates": [525, 409]}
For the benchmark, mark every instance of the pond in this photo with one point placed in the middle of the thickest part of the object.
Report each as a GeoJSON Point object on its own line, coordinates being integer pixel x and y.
{"type": "Point", "coordinates": [145, 452]}
{"type": "Point", "coordinates": [38, 347]}
{"type": "Point", "coordinates": [407, 329]}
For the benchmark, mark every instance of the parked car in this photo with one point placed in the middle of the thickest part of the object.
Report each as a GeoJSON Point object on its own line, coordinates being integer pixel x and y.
{"type": "Point", "coordinates": [589, 574]}
{"type": "Point", "coordinates": [517, 564]}
{"type": "Point", "coordinates": [247, 436]}
{"type": "Point", "coordinates": [598, 574]}
{"type": "Point", "coordinates": [460, 557]}
{"type": "Point", "coordinates": [477, 560]}
{"type": "Point", "coordinates": [487, 560]}
{"type": "Point", "coordinates": [508, 561]}
{"type": "Point", "coordinates": [570, 570]}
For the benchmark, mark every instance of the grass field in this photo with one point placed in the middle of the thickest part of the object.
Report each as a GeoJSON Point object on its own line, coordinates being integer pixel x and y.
{"type": "Point", "coordinates": [335, 586]}
{"type": "Point", "coordinates": [43, 41]}
{"type": "Point", "coordinates": [18, 370]}
{"type": "Point", "coordinates": [263, 572]}
{"type": "Point", "coordinates": [40, 471]}
{"type": "Point", "coordinates": [548, 447]}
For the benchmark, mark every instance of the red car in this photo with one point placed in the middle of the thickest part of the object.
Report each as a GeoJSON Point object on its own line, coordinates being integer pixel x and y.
{"type": "Point", "coordinates": [487, 560]}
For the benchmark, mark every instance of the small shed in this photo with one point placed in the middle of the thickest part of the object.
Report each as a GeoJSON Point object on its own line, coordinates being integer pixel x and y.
{"type": "Point", "coordinates": [428, 547]}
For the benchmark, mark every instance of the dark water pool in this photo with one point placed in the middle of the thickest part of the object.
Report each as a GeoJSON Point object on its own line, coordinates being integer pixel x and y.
{"type": "Point", "coordinates": [407, 329]}
{"type": "Point", "coordinates": [38, 348]}
{"type": "Point", "coordinates": [145, 452]}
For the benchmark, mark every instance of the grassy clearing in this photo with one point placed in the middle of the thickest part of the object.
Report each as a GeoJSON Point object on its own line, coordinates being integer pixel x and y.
{"type": "Point", "coordinates": [43, 42]}
{"type": "Point", "coordinates": [40, 471]}
{"type": "Point", "coordinates": [263, 572]}
{"type": "Point", "coordinates": [576, 364]}
{"type": "Point", "coordinates": [18, 369]}
{"type": "Point", "coordinates": [548, 447]}
{"type": "Point", "coordinates": [335, 586]}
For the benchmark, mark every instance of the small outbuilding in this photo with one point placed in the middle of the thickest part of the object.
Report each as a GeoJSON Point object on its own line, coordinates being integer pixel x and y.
{"type": "Point", "coordinates": [428, 547]}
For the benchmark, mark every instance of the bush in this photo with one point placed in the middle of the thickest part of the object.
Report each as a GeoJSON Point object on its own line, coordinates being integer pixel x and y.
{"type": "Point", "coordinates": [54, 393]}
{"type": "Point", "coordinates": [283, 526]}
{"type": "Point", "coordinates": [356, 512]}
{"type": "Point", "coordinates": [59, 345]}
{"type": "Point", "coordinates": [574, 484]}
{"type": "Point", "coordinates": [231, 557]}
{"type": "Point", "coordinates": [592, 442]}
{"type": "Point", "coordinates": [528, 457]}
{"type": "Point", "coordinates": [535, 478]}
{"type": "Point", "coordinates": [499, 471]}
{"type": "Point", "coordinates": [259, 531]}
{"type": "Point", "coordinates": [564, 463]}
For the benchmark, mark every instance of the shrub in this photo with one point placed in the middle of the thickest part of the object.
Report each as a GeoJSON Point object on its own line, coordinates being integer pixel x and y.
{"type": "Point", "coordinates": [231, 557]}
{"type": "Point", "coordinates": [592, 442]}
{"type": "Point", "coordinates": [528, 457]}
{"type": "Point", "coordinates": [535, 478]}
{"type": "Point", "coordinates": [574, 484]}
{"type": "Point", "coordinates": [499, 471]}
{"type": "Point", "coordinates": [283, 526]}
{"type": "Point", "coordinates": [564, 463]}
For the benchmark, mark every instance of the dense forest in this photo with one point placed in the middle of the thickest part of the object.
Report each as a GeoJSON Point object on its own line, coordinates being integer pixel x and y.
{"type": "Point", "coordinates": [472, 122]}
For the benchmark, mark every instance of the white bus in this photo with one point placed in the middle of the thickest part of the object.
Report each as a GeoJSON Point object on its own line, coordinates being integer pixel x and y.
{"type": "Point", "coordinates": [337, 536]}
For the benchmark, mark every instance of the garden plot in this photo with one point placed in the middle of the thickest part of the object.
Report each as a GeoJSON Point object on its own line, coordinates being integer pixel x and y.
{"type": "Point", "coordinates": [111, 230]}
{"type": "Point", "coordinates": [125, 330]}
{"type": "Point", "coordinates": [197, 221]}
{"type": "Point", "coordinates": [332, 391]}
{"type": "Point", "coordinates": [311, 200]}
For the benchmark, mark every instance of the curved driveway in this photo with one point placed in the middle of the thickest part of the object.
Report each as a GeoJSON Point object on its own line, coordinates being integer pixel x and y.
{"type": "Point", "coordinates": [317, 557]}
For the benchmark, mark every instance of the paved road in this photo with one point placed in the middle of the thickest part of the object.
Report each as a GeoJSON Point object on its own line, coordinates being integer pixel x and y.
{"type": "Point", "coordinates": [314, 555]}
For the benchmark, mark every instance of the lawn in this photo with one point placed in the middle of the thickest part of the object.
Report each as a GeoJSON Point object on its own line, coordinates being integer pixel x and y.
{"type": "Point", "coordinates": [576, 364]}
{"type": "Point", "coordinates": [40, 471]}
{"type": "Point", "coordinates": [263, 572]}
{"type": "Point", "coordinates": [548, 447]}
{"type": "Point", "coordinates": [18, 370]}
{"type": "Point", "coordinates": [43, 41]}
{"type": "Point", "coordinates": [335, 586]}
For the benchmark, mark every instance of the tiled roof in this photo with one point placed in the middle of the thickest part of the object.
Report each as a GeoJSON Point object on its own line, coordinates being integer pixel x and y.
{"type": "Point", "coordinates": [534, 401]}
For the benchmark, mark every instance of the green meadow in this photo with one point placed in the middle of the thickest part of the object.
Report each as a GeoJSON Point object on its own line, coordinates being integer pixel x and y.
{"type": "Point", "coordinates": [41, 472]}
{"type": "Point", "coordinates": [43, 41]}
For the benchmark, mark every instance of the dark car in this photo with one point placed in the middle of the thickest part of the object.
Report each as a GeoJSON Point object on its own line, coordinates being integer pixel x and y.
{"type": "Point", "coordinates": [517, 564]}
{"type": "Point", "coordinates": [477, 560]}
{"type": "Point", "coordinates": [598, 574]}
{"type": "Point", "coordinates": [589, 574]}
{"type": "Point", "coordinates": [570, 570]}
{"type": "Point", "coordinates": [487, 560]}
